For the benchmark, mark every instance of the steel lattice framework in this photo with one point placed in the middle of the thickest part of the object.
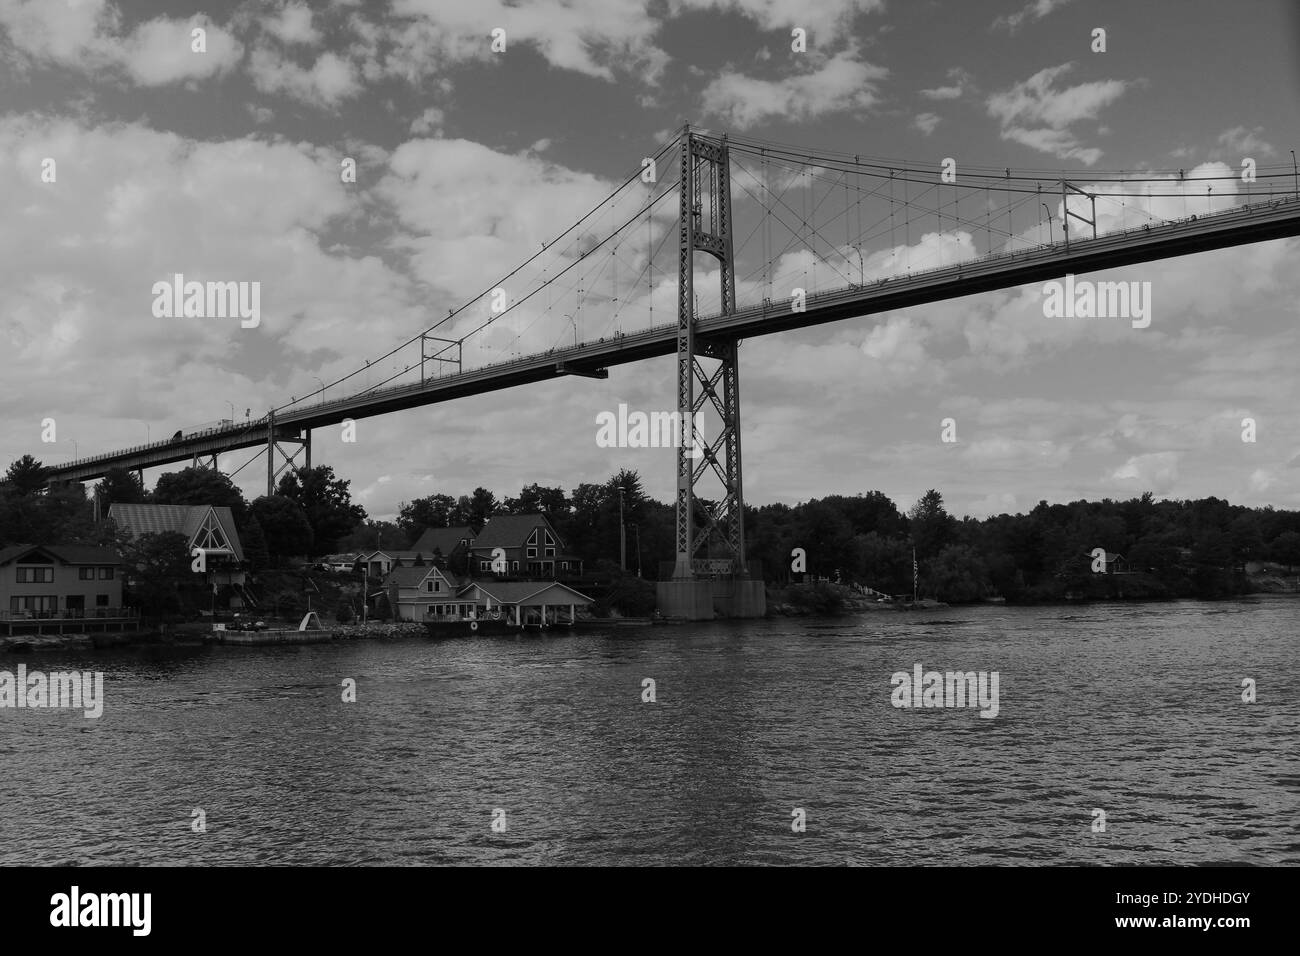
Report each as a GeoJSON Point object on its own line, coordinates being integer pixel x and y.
{"type": "Point", "coordinates": [705, 176]}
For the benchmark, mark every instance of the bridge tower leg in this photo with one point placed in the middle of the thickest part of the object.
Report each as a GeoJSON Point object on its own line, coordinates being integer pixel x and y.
{"type": "Point", "coordinates": [273, 440]}
{"type": "Point", "coordinates": [706, 178]}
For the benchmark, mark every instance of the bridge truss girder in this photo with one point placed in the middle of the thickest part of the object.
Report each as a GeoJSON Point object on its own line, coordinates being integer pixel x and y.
{"type": "Point", "coordinates": [705, 163]}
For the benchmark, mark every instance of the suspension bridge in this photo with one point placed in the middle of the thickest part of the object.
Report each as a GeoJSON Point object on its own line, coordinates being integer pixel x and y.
{"type": "Point", "coordinates": [793, 237]}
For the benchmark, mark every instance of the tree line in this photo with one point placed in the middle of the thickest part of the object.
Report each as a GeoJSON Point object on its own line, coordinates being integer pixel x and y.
{"type": "Point", "coordinates": [1170, 548]}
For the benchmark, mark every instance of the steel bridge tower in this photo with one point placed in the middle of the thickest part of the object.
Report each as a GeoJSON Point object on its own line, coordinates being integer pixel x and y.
{"type": "Point", "coordinates": [697, 588]}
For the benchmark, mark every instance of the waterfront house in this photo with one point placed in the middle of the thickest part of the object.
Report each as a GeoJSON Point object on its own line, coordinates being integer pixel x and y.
{"type": "Point", "coordinates": [414, 591]}
{"type": "Point", "coordinates": [207, 528]}
{"type": "Point", "coordinates": [522, 545]}
{"type": "Point", "coordinates": [523, 603]}
{"type": "Point", "coordinates": [58, 585]}
{"type": "Point", "coordinates": [509, 603]}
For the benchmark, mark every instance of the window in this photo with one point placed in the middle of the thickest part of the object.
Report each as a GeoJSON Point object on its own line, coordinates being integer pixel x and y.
{"type": "Point", "coordinates": [484, 565]}
{"type": "Point", "coordinates": [532, 552]}
{"type": "Point", "coordinates": [428, 586]}
{"type": "Point", "coordinates": [514, 565]}
{"type": "Point", "coordinates": [564, 565]}
{"type": "Point", "coordinates": [34, 602]}
{"type": "Point", "coordinates": [101, 600]}
{"type": "Point", "coordinates": [35, 575]}
{"type": "Point", "coordinates": [105, 574]}
{"type": "Point", "coordinates": [549, 539]}
{"type": "Point", "coordinates": [86, 574]}
{"type": "Point", "coordinates": [550, 552]}
{"type": "Point", "coordinates": [532, 538]}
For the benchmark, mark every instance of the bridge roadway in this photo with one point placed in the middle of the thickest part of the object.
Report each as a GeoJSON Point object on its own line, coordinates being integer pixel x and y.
{"type": "Point", "coordinates": [1238, 226]}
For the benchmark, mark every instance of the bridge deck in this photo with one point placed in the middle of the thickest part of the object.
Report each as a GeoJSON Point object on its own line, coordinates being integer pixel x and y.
{"type": "Point", "coordinates": [1238, 226]}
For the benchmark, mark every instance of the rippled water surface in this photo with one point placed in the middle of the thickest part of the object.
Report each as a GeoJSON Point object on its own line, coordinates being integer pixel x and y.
{"type": "Point", "coordinates": [1134, 709]}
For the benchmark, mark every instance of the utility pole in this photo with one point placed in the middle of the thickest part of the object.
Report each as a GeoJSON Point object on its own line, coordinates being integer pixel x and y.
{"type": "Point", "coordinates": [622, 533]}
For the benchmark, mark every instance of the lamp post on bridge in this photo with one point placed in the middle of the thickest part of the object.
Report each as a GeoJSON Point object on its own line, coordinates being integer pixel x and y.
{"type": "Point", "coordinates": [1050, 238]}
{"type": "Point", "coordinates": [322, 388]}
{"type": "Point", "coordinates": [861, 269]}
{"type": "Point", "coordinates": [574, 322]}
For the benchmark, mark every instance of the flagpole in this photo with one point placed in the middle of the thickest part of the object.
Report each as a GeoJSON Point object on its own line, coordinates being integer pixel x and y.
{"type": "Point", "coordinates": [913, 574]}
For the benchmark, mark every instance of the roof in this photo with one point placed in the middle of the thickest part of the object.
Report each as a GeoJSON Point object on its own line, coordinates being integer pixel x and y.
{"type": "Point", "coordinates": [182, 519]}
{"type": "Point", "coordinates": [529, 592]}
{"type": "Point", "coordinates": [67, 553]}
{"type": "Point", "coordinates": [511, 531]}
{"type": "Point", "coordinates": [445, 540]}
{"type": "Point", "coordinates": [406, 556]}
{"type": "Point", "coordinates": [408, 576]}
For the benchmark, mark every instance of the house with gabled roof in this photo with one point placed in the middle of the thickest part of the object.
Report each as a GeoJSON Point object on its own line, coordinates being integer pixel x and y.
{"type": "Point", "coordinates": [523, 603]}
{"type": "Point", "coordinates": [522, 545]}
{"type": "Point", "coordinates": [59, 583]}
{"type": "Point", "coordinates": [413, 591]}
{"type": "Point", "coordinates": [208, 528]}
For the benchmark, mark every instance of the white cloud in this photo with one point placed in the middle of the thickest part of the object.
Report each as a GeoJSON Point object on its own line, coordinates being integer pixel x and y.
{"type": "Point", "coordinates": [1038, 114]}
{"type": "Point", "coordinates": [842, 83]}
{"type": "Point", "coordinates": [328, 82]}
{"type": "Point", "coordinates": [1247, 142]}
{"type": "Point", "coordinates": [954, 91]}
{"type": "Point", "coordinates": [926, 122]}
{"type": "Point", "coordinates": [430, 121]}
{"type": "Point", "coordinates": [1034, 10]}
{"type": "Point", "coordinates": [87, 36]}
{"type": "Point", "coordinates": [825, 20]}
{"type": "Point", "coordinates": [294, 25]}
{"type": "Point", "coordinates": [1156, 472]}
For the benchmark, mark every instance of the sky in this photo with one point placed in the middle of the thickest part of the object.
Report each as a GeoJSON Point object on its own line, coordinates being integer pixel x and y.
{"type": "Point", "coordinates": [225, 165]}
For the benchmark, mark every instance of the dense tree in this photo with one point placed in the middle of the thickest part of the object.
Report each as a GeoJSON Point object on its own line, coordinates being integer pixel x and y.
{"type": "Point", "coordinates": [930, 524]}
{"type": "Point", "coordinates": [256, 552]}
{"type": "Point", "coordinates": [326, 502]}
{"type": "Point", "coordinates": [120, 486]}
{"type": "Point", "coordinates": [197, 485]}
{"type": "Point", "coordinates": [432, 511]}
{"type": "Point", "coordinates": [158, 573]}
{"type": "Point", "coordinates": [284, 525]}
{"type": "Point", "coordinates": [25, 476]}
{"type": "Point", "coordinates": [1286, 549]}
{"type": "Point", "coordinates": [372, 535]}
{"type": "Point", "coordinates": [535, 499]}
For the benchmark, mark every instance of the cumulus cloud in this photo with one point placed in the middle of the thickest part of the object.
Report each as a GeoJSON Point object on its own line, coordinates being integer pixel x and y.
{"type": "Point", "coordinates": [1037, 113]}
{"type": "Point", "coordinates": [1034, 10]}
{"type": "Point", "coordinates": [960, 82]}
{"type": "Point", "coordinates": [87, 36]}
{"type": "Point", "coordinates": [926, 122]}
{"type": "Point", "coordinates": [1247, 142]}
{"type": "Point", "coordinates": [1156, 472]}
{"type": "Point", "coordinates": [841, 83]}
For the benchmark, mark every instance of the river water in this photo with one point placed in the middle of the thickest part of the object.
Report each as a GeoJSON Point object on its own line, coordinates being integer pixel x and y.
{"type": "Point", "coordinates": [1131, 709]}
